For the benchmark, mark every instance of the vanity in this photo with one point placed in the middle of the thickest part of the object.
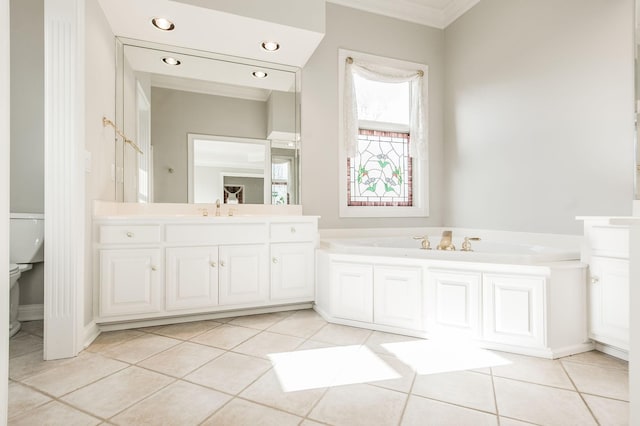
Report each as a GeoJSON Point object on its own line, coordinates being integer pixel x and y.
{"type": "Point", "coordinates": [163, 267]}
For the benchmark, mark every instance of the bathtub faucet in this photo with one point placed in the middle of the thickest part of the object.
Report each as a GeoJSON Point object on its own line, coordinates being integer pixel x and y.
{"type": "Point", "coordinates": [445, 242]}
{"type": "Point", "coordinates": [425, 244]}
{"type": "Point", "coordinates": [466, 244]}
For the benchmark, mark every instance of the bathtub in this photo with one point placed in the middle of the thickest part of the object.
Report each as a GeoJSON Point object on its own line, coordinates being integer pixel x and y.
{"type": "Point", "coordinates": [515, 292]}
{"type": "Point", "coordinates": [498, 248]}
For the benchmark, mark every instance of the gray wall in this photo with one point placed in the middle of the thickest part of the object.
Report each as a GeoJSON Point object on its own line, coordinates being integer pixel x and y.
{"type": "Point", "coordinates": [539, 125]}
{"type": "Point", "coordinates": [175, 113]}
{"type": "Point", "coordinates": [27, 125]}
{"type": "Point", "coordinates": [27, 106]}
{"type": "Point", "coordinates": [360, 31]}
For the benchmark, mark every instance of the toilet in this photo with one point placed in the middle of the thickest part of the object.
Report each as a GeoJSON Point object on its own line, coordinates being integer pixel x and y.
{"type": "Point", "coordinates": [26, 247]}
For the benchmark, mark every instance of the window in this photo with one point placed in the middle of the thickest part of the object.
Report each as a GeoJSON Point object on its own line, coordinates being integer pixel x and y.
{"type": "Point", "coordinates": [383, 136]}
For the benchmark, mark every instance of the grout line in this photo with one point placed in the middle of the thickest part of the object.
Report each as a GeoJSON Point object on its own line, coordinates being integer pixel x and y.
{"type": "Point", "coordinates": [409, 394]}
{"type": "Point", "coordinates": [584, 401]}
{"type": "Point", "coordinates": [495, 397]}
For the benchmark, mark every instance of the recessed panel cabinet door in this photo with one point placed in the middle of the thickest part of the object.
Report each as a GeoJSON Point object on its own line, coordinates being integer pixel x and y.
{"type": "Point", "coordinates": [292, 271]}
{"type": "Point", "coordinates": [514, 309]}
{"type": "Point", "coordinates": [191, 277]}
{"type": "Point", "coordinates": [130, 281]}
{"type": "Point", "coordinates": [609, 301]}
{"type": "Point", "coordinates": [244, 274]}
{"type": "Point", "coordinates": [454, 298]}
{"type": "Point", "coordinates": [352, 291]}
{"type": "Point", "coordinates": [398, 297]}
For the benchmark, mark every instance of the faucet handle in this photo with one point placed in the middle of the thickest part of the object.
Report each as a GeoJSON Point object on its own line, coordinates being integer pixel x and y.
{"type": "Point", "coordinates": [425, 244]}
{"type": "Point", "coordinates": [204, 210]}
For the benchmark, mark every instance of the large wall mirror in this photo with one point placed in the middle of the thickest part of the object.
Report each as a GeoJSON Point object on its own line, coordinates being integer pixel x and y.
{"type": "Point", "coordinates": [205, 127]}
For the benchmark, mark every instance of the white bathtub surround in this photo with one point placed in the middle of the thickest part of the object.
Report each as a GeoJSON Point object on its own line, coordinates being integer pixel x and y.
{"type": "Point", "coordinates": [530, 298]}
{"type": "Point", "coordinates": [115, 209]}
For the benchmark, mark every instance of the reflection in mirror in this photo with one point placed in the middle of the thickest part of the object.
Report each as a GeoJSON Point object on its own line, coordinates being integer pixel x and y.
{"type": "Point", "coordinates": [208, 128]}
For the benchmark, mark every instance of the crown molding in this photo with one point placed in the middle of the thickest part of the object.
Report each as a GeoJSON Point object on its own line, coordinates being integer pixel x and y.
{"type": "Point", "coordinates": [433, 13]}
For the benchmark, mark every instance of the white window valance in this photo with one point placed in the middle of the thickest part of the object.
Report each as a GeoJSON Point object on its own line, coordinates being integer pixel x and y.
{"type": "Point", "coordinates": [375, 72]}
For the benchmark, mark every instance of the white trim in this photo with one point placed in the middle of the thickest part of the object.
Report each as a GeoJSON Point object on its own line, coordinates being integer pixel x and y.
{"type": "Point", "coordinates": [5, 137]}
{"type": "Point", "coordinates": [612, 350]}
{"type": "Point", "coordinates": [64, 91]}
{"type": "Point", "coordinates": [91, 332]}
{"type": "Point", "coordinates": [30, 312]}
{"type": "Point", "coordinates": [420, 167]}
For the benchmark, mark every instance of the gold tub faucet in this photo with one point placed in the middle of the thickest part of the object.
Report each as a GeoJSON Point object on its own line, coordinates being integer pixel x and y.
{"type": "Point", "coordinates": [425, 244]}
{"type": "Point", "coordinates": [445, 241]}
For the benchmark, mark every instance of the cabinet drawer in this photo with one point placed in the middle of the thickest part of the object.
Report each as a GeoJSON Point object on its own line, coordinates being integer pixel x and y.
{"type": "Point", "coordinates": [124, 234]}
{"type": "Point", "coordinates": [284, 232]}
{"type": "Point", "coordinates": [245, 233]}
{"type": "Point", "coordinates": [609, 241]}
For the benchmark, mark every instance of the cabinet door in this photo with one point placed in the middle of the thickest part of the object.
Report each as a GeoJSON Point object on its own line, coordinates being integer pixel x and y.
{"type": "Point", "coordinates": [609, 301]}
{"type": "Point", "coordinates": [352, 291]}
{"type": "Point", "coordinates": [130, 281]}
{"type": "Point", "coordinates": [454, 298]}
{"type": "Point", "coordinates": [244, 274]}
{"type": "Point", "coordinates": [292, 271]}
{"type": "Point", "coordinates": [514, 309]}
{"type": "Point", "coordinates": [398, 297]}
{"type": "Point", "coordinates": [191, 277]}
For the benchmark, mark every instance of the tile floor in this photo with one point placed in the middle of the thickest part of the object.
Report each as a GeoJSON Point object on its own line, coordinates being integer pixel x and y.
{"type": "Point", "coordinates": [293, 368]}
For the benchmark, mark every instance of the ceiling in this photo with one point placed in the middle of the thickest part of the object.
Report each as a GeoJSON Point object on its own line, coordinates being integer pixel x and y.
{"type": "Point", "coordinates": [434, 13]}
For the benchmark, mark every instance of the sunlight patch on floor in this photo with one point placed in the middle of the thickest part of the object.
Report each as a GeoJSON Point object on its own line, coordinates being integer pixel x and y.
{"type": "Point", "coordinates": [335, 366]}
{"type": "Point", "coordinates": [429, 357]}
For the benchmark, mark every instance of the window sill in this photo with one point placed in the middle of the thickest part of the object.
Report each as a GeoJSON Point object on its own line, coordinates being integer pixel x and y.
{"type": "Point", "coordinates": [393, 212]}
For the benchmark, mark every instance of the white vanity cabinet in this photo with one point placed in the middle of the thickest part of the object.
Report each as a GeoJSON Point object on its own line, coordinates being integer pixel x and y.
{"type": "Point", "coordinates": [606, 251]}
{"type": "Point", "coordinates": [352, 291]}
{"type": "Point", "coordinates": [150, 268]}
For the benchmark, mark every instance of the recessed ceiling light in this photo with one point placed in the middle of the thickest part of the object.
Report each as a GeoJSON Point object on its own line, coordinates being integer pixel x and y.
{"type": "Point", "coordinates": [270, 46]}
{"type": "Point", "coordinates": [170, 61]}
{"type": "Point", "coordinates": [163, 24]}
{"type": "Point", "coordinates": [259, 74]}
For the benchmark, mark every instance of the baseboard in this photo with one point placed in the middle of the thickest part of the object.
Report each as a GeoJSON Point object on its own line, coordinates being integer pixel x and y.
{"type": "Point", "coordinates": [30, 312]}
{"type": "Point", "coordinates": [91, 331]}
{"type": "Point", "coordinates": [613, 351]}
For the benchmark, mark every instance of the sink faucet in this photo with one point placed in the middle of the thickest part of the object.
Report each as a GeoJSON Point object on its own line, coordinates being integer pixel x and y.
{"type": "Point", "coordinates": [218, 207]}
{"type": "Point", "coordinates": [445, 242]}
{"type": "Point", "coordinates": [204, 210]}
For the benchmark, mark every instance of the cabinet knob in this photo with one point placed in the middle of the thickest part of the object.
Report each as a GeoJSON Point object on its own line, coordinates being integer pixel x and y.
{"type": "Point", "coordinates": [213, 264]}
{"type": "Point", "coordinates": [129, 234]}
{"type": "Point", "coordinates": [293, 229]}
{"type": "Point", "coordinates": [275, 260]}
{"type": "Point", "coordinates": [595, 279]}
{"type": "Point", "coordinates": [153, 268]}
{"type": "Point", "coordinates": [222, 263]}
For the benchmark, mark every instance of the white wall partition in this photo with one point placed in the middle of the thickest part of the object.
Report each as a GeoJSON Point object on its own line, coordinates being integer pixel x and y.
{"type": "Point", "coordinates": [64, 177]}
{"type": "Point", "coordinates": [4, 206]}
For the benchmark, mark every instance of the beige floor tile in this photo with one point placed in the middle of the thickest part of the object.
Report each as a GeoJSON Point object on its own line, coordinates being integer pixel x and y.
{"type": "Point", "coordinates": [426, 412]}
{"type": "Point", "coordinates": [312, 344]}
{"type": "Point", "coordinates": [535, 370]}
{"type": "Point", "coordinates": [401, 384]}
{"type": "Point", "coordinates": [230, 372]}
{"type": "Point", "coordinates": [54, 413]}
{"type": "Point", "coordinates": [23, 399]}
{"type": "Point", "coordinates": [269, 391]}
{"type": "Point", "coordinates": [504, 421]}
{"type": "Point", "coordinates": [109, 339]}
{"type": "Point", "coordinates": [378, 339]}
{"type": "Point", "coordinates": [225, 336]}
{"type": "Point", "coordinates": [180, 403]}
{"type": "Point", "coordinates": [360, 405]}
{"type": "Point", "coordinates": [540, 404]}
{"type": "Point", "coordinates": [33, 327]}
{"type": "Point", "coordinates": [260, 321]}
{"type": "Point", "coordinates": [307, 314]}
{"type": "Point", "coordinates": [298, 325]}
{"type": "Point", "coordinates": [186, 330]}
{"type": "Point", "coordinates": [598, 359]}
{"type": "Point", "coordinates": [31, 364]}
{"type": "Point", "coordinates": [113, 394]}
{"type": "Point", "coordinates": [181, 359]}
{"type": "Point", "coordinates": [24, 343]}
{"type": "Point", "coordinates": [465, 388]}
{"type": "Point", "coordinates": [341, 335]}
{"type": "Point", "coordinates": [608, 382]}
{"type": "Point", "coordinates": [267, 343]}
{"type": "Point", "coordinates": [608, 412]}
{"type": "Point", "coordinates": [307, 422]}
{"type": "Point", "coordinates": [139, 348]}
{"type": "Point", "coordinates": [245, 413]}
{"type": "Point", "coordinates": [84, 369]}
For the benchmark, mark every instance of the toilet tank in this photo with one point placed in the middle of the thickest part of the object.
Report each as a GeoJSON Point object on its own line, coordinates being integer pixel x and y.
{"type": "Point", "coordinates": [26, 236]}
